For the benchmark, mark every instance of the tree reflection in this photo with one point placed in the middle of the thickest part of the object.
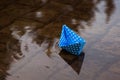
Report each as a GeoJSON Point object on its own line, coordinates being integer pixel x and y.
{"type": "Point", "coordinates": [110, 6]}
{"type": "Point", "coordinates": [84, 10]}
{"type": "Point", "coordinates": [73, 15]}
{"type": "Point", "coordinates": [5, 57]}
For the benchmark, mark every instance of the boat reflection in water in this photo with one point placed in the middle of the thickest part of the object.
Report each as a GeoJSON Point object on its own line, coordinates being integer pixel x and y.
{"type": "Point", "coordinates": [74, 61]}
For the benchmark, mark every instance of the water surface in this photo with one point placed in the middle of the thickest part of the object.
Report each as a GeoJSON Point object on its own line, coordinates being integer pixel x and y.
{"type": "Point", "coordinates": [30, 31]}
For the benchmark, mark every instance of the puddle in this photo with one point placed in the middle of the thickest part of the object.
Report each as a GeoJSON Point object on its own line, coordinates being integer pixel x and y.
{"type": "Point", "coordinates": [29, 44]}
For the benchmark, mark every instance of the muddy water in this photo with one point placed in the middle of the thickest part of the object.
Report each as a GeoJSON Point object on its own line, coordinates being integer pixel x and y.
{"type": "Point", "coordinates": [29, 40]}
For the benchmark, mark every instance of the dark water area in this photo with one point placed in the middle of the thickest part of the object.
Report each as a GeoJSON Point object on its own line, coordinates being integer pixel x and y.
{"type": "Point", "coordinates": [74, 61]}
{"type": "Point", "coordinates": [30, 32]}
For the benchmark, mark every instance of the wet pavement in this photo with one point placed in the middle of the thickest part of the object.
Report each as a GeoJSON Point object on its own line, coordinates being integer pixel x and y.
{"type": "Point", "coordinates": [30, 31]}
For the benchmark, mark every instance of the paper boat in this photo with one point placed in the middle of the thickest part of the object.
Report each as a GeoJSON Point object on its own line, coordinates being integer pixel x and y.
{"type": "Point", "coordinates": [71, 41]}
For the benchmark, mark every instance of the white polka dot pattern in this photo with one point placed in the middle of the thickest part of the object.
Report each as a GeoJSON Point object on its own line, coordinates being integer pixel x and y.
{"type": "Point", "coordinates": [70, 41]}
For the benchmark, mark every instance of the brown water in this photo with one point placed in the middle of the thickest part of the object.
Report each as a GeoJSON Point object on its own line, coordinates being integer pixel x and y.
{"type": "Point", "coordinates": [30, 31]}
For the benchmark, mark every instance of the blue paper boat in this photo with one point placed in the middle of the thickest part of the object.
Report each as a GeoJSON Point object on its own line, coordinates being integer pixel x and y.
{"type": "Point", "coordinates": [71, 41]}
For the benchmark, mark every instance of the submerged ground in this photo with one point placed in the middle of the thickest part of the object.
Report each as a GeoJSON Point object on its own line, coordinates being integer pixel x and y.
{"type": "Point", "coordinates": [30, 31]}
